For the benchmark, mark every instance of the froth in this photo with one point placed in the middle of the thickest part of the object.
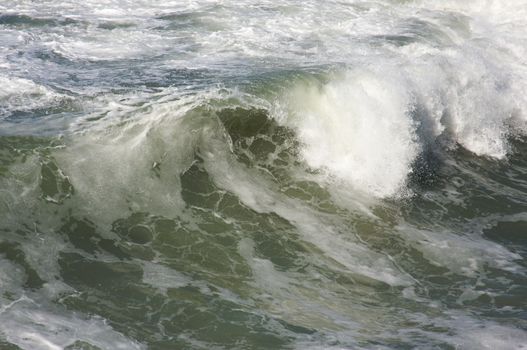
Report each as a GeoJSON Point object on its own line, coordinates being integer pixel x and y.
{"type": "Point", "coordinates": [358, 129]}
{"type": "Point", "coordinates": [367, 125]}
{"type": "Point", "coordinates": [30, 326]}
{"type": "Point", "coordinates": [24, 94]}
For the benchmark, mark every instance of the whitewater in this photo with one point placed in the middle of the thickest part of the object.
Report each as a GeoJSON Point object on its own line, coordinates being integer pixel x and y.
{"type": "Point", "coordinates": [263, 174]}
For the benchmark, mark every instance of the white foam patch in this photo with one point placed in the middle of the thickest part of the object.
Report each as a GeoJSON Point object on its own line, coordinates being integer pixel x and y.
{"type": "Point", "coordinates": [23, 94]}
{"type": "Point", "coordinates": [472, 333]}
{"type": "Point", "coordinates": [29, 325]}
{"type": "Point", "coordinates": [11, 277]}
{"type": "Point", "coordinates": [163, 277]}
{"type": "Point", "coordinates": [493, 337]}
{"type": "Point", "coordinates": [368, 125]}
{"type": "Point", "coordinates": [475, 104]}
{"type": "Point", "coordinates": [357, 128]}
{"type": "Point", "coordinates": [118, 44]}
{"type": "Point", "coordinates": [460, 253]}
{"type": "Point", "coordinates": [464, 331]}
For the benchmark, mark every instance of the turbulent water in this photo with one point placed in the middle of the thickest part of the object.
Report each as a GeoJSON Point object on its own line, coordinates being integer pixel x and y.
{"type": "Point", "coordinates": [263, 174]}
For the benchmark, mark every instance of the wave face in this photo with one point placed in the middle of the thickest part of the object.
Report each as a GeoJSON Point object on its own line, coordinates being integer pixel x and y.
{"type": "Point", "coordinates": [263, 175]}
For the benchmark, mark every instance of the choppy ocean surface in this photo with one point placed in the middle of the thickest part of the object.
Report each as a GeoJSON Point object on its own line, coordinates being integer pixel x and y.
{"type": "Point", "coordinates": [263, 174]}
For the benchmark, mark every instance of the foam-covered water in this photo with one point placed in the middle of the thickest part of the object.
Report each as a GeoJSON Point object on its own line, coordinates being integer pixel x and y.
{"type": "Point", "coordinates": [263, 175]}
